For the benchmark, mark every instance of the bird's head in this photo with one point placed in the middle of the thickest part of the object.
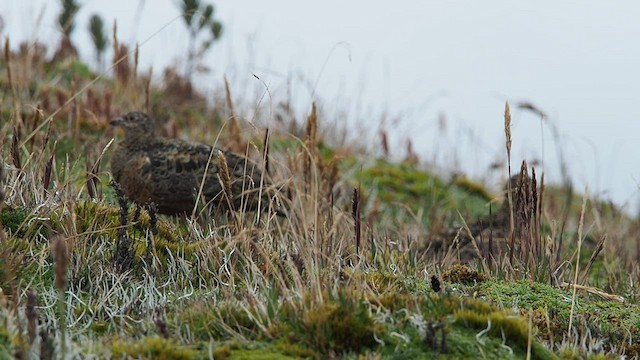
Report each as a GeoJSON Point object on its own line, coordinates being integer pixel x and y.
{"type": "Point", "coordinates": [136, 125]}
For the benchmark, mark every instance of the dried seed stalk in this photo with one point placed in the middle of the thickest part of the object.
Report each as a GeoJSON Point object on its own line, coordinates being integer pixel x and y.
{"type": "Point", "coordinates": [310, 143]}
{"type": "Point", "coordinates": [46, 179]}
{"type": "Point", "coordinates": [32, 315]}
{"type": "Point", "coordinates": [225, 179]}
{"type": "Point", "coordinates": [265, 155]}
{"type": "Point", "coordinates": [356, 217]}
{"type": "Point", "coordinates": [385, 143]}
{"type": "Point", "coordinates": [15, 148]}
{"type": "Point", "coordinates": [61, 256]}
{"type": "Point", "coordinates": [7, 60]}
{"type": "Point", "coordinates": [234, 126]}
{"type": "Point", "coordinates": [507, 130]}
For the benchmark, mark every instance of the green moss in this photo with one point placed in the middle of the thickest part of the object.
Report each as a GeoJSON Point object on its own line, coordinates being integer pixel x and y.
{"type": "Point", "coordinates": [395, 184]}
{"type": "Point", "coordinates": [462, 342]}
{"type": "Point", "coordinates": [255, 351]}
{"type": "Point", "coordinates": [573, 353]}
{"type": "Point", "coordinates": [472, 187]}
{"type": "Point", "coordinates": [501, 324]}
{"type": "Point", "coordinates": [99, 326]}
{"type": "Point", "coordinates": [454, 304]}
{"type": "Point", "coordinates": [526, 295]}
{"type": "Point", "coordinates": [381, 282]}
{"type": "Point", "coordinates": [152, 347]}
{"type": "Point", "coordinates": [462, 274]}
{"type": "Point", "coordinates": [16, 221]}
{"type": "Point", "coordinates": [606, 319]}
{"type": "Point", "coordinates": [421, 192]}
{"type": "Point", "coordinates": [207, 320]}
{"type": "Point", "coordinates": [222, 352]}
{"type": "Point", "coordinates": [6, 348]}
{"type": "Point", "coordinates": [448, 326]}
{"type": "Point", "coordinates": [295, 350]}
{"type": "Point", "coordinates": [395, 300]}
{"type": "Point", "coordinates": [25, 263]}
{"type": "Point", "coordinates": [338, 325]}
{"type": "Point", "coordinates": [64, 146]}
{"type": "Point", "coordinates": [95, 216]}
{"type": "Point", "coordinates": [258, 354]}
{"type": "Point", "coordinates": [167, 233]}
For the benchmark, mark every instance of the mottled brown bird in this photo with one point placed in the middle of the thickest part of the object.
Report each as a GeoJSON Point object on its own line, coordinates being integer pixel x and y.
{"type": "Point", "coordinates": [170, 172]}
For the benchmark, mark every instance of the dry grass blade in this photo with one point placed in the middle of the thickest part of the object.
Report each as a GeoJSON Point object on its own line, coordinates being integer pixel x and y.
{"type": "Point", "coordinates": [136, 53]}
{"type": "Point", "coordinates": [592, 259]}
{"type": "Point", "coordinates": [7, 60]}
{"type": "Point", "coordinates": [45, 141]}
{"type": "Point", "coordinates": [577, 265]}
{"type": "Point", "coordinates": [15, 148]}
{"type": "Point", "coordinates": [411, 157]}
{"type": "Point", "coordinates": [474, 242]}
{"type": "Point", "coordinates": [330, 173]}
{"type": "Point", "coordinates": [93, 182]}
{"type": "Point", "coordinates": [225, 179]}
{"type": "Point", "coordinates": [265, 155]}
{"type": "Point", "coordinates": [384, 138]}
{"type": "Point", "coordinates": [507, 133]}
{"type": "Point", "coordinates": [147, 93]}
{"type": "Point", "coordinates": [37, 117]}
{"type": "Point", "coordinates": [594, 291]}
{"type": "Point", "coordinates": [533, 108]}
{"type": "Point", "coordinates": [92, 178]}
{"type": "Point", "coordinates": [310, 155]}
{"type": "Point", "coordinates": [234, 126]}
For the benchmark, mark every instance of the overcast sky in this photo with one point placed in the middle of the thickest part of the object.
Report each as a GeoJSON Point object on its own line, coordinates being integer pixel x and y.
{"type": "Point", "coordinates": [419, 64]}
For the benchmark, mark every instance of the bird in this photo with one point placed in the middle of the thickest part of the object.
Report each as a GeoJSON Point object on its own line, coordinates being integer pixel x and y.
{"type": "Point", "coordinates": [170, 173]}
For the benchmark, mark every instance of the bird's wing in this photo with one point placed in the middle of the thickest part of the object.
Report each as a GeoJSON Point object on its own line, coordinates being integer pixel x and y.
{"type": "Point", "coordinates": [176, 169]}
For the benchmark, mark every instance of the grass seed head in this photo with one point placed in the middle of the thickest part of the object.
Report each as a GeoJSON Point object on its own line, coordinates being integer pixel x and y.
{"type": "Point", "coordinates": [225, 178]}
{"type": "Point", "coordinates": [61, 256]}
{"type": "Point", "coordinates": [507, 128]}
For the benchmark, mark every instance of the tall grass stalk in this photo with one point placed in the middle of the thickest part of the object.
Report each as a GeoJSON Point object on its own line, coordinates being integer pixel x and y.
{"type": "Point", "coordinates": [577, 264]}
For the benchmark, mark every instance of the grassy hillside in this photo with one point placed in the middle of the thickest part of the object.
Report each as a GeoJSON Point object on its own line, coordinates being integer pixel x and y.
{"type": "Point", "coordinates": [375, 259]}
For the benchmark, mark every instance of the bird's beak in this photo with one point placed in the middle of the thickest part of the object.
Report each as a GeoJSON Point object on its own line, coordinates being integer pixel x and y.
{"type": "Point", "coordinates": [117, 121]}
